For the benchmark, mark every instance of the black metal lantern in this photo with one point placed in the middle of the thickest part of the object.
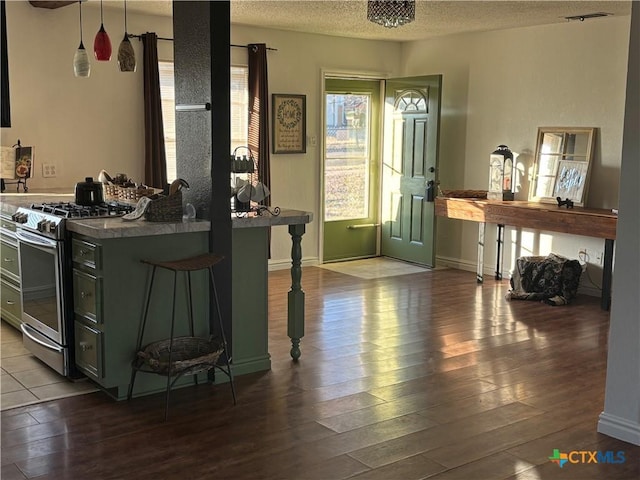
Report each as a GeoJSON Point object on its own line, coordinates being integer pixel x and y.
{"type": "Point", "coordinates": [501, 174]}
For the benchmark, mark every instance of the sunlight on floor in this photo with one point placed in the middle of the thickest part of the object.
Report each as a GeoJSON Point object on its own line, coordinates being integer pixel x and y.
{"type": "Point", "coordinates": [378, 267]}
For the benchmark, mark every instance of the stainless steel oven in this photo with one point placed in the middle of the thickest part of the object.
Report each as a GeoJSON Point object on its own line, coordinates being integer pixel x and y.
{"type": "Point", "coordinates": [46, 272]}
{"type": "Point", "coordinates": [44, 299]}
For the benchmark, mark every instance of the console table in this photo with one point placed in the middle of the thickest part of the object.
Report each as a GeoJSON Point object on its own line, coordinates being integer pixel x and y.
{"type": "Point", "coordinates": [589, 222]}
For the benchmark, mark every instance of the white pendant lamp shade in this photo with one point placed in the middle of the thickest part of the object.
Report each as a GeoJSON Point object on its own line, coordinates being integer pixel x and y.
{"type": "Point", "coordinates": [81, 65]}
{"type": "Point", "coordinates": [126, 54]}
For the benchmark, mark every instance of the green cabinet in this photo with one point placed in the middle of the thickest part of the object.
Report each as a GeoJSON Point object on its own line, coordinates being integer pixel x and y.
{"type": "Point", "coordinates": [109, 287]}
{"type": "Point", "coordinates": [10, 293]}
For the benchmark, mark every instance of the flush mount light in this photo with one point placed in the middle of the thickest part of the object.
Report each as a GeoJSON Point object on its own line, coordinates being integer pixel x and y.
{"type": "Point", "coordinates": [587, 16]}
{"type": "Point", "coordinates": [126, 54]}
{"type": "Point", "coordinates": [81, 65]}
{"type": "Point", "coordinates": [391, 13]}
{"type": "Point", "coordinates": [102, 43]}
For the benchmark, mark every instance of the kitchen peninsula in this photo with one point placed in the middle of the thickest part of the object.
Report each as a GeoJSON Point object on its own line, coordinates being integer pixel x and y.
{"type": "Point", "coordinates": [109, 284]}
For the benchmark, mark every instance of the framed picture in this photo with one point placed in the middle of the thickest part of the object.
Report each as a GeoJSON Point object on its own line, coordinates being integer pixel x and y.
{"type": "Point", "coordinates": [289, 123]}
{"type": "Point", "coordinates": [562, 164]}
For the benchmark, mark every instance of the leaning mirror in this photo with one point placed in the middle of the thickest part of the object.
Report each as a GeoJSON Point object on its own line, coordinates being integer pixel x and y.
{"type": "Point", "coordinates": [562, 164]}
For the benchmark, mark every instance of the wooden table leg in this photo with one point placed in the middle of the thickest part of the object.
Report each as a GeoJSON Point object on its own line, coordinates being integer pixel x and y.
{"type": "Point", "coordinates": [480, 266]}
{"type": "Point", "coordinates": [500, 252]}
{"type": "Point", "coordinates": [295, 325]}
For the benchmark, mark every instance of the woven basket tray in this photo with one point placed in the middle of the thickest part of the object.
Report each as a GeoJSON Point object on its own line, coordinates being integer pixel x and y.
{"type": "Point", "coordinates": [110, 192]}
{"type": "Point", "coordinates": [125, 194]}
{"type": "Point", "coordinates": [133, 194]}
{"type": "Point", "coordinates": [189, 354]}
{"type": "Point", "coordinates": [165, 208]}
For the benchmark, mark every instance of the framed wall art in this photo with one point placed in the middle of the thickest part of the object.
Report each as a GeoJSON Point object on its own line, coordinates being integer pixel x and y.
{"type": "Point", "coordinates": [289, 119]}
{"type": "Point", "coordinates": [562, 164]}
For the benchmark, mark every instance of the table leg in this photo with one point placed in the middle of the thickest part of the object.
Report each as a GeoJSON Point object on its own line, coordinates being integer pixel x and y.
{"type": "Point", "coordinates": [500, 252]}
{"type": "Point", "coordinates": [295, 324]}
{"type": "Point", "coordinates": [605, 300]}
{"type": "Point", "coordinates": [480, 267]}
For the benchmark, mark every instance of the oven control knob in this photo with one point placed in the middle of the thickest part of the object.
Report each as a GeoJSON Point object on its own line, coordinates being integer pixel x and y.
{"type": "Point", "coordinates": [21, 217]}
{"type": "Point", "coordinates": [52, 227]}
{"type": "Point", "coordinates": [42, 225]}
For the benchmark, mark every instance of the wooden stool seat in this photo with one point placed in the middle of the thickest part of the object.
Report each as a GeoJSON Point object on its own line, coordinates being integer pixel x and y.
{"type": "Point", "coordinates": [191, 264]}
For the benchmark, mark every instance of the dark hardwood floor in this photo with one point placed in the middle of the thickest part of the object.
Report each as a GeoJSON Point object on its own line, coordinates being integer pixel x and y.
{"type": "Point", "coordinates": [417, 376]}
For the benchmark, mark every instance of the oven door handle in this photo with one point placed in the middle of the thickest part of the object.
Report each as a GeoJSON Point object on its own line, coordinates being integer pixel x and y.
{"type": "Point", "coordinates": [35, 240]}
{"type": "Point", "coordinates": [40, 339]}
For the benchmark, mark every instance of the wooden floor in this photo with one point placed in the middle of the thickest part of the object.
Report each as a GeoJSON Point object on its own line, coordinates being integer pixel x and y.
{"type": "Point", "coordinates": [426, 375]}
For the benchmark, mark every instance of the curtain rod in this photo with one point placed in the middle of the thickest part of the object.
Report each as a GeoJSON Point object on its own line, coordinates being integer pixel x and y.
{"type": "Point", "coordinates": [139, 37]}
{"type": "Point", "coordinates": [131, 35]}
{"type": "Point", "coordinates": [247, 46]}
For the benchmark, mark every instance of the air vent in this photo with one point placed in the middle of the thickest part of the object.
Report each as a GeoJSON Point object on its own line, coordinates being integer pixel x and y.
{"type": "Point", "coordinates": [587, 16]}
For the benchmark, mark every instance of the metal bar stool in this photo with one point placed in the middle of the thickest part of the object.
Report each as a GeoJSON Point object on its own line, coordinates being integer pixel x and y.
{"type": "Point", "coordinates": [178, 356]}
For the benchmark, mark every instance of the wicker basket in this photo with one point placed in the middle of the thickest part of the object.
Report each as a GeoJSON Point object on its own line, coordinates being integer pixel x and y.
{"type": "Point", "coordinates": [190, 354]}
{"type": "Point", "coordinates": [133, 194]}
{"type": "Point", "coordinates": [165, 208]}
{"type": "Point", "coordinates": [110, 192]}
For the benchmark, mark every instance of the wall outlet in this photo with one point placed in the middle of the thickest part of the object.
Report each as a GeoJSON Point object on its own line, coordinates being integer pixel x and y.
{"type": "Point", "coordinates": [49, 170]}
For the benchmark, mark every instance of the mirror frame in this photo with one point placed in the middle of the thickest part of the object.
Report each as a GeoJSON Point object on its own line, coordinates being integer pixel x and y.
{"type": "Point", "coordinates": [577, 194]}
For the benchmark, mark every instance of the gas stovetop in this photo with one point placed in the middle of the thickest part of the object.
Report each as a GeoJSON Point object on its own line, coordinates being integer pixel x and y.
{"type": "Point", "coordinates": [73, 210]}
{"type": "Point", "coordinates": [48, 219]}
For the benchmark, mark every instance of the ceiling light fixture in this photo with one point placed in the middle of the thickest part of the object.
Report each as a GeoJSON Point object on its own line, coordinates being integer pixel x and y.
{"type": "Point", "coordinates": [102, 43]}
{"type": "Point", "coordinates": [81, 65]}
{"type": "Point", "coordinates": [126, 54]}
{"type": "Point", "coordinates": [391, 13]}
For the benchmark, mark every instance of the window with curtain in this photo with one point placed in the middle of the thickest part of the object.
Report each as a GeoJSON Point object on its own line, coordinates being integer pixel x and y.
{"type": "Point", "coordinates": [239, 111]}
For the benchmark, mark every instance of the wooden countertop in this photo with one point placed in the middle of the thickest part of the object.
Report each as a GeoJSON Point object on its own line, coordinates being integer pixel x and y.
{"type": "Point", "coordinates": [590, 222]}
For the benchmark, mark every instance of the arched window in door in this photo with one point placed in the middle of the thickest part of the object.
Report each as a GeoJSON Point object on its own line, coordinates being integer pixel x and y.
{"type": "Point", "coordinates": [412, 101]}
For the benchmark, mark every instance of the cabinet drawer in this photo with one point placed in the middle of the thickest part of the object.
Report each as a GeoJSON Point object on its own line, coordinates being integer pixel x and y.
{"type": "Point", "coordinates": [11, 303]}
{"type": "Point", "coordinates": [7, 225]}
{"type": "Point", "coordinates": [87, 296]}
{"type": "Point", "coordinates": [85, 253]}
{"type": "Point", "coordinates": [88, 350]}
{"type": "Point", "coordinates": [9, 258]}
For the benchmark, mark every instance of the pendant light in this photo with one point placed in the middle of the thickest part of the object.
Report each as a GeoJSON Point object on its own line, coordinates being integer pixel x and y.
{"type": "Point", "coordinates": [102, 43]}
{"type": "Point", "coordinates": [126, 54]}
{"type": "Point", "coordinates": [81, 65]}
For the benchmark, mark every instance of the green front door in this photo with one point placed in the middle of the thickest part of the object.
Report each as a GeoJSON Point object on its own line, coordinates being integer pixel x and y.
{"type": "Point", "coordinates": [410, 160]}
{"type": "Point", "coordinates": [351, 166]}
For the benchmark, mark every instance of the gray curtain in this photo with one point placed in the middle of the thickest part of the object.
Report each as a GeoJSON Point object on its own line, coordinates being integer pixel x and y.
{"type": "Point", "coordinates": [155, 159]}
{"type": "Point", "coordinates": [259, 112]}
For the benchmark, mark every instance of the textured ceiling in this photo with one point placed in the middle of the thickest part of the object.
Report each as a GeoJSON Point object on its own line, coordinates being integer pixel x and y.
{"type": "Point", "coordinates": [347, 18]}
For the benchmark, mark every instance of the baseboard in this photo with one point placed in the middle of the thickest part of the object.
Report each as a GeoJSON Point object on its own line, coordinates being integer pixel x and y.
{"type": "Point", "coordinates": [286, 263]}
{"type": "Point", "coordinates": [251, 365]}
{"type": "Point", "coordinates": [489, 272]}
{"type": "Point", "coordinates": [620, 428]}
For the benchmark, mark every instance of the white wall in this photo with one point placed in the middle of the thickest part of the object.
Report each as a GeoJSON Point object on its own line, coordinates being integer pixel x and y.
{"type": "Point", "coordinates": [81, 125]}
{"type": "Point", "coordinates": [621, 415]}
{"type": "Point", "coordinates": [498, 88]}
{"type": "Point", "coordinates": [296, 68]}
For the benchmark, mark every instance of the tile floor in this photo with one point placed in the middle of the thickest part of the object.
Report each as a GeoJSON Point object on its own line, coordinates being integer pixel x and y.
{"type": "Point", "coordinates": [25, 380]}
{"type": "Point", "coordinates": [377, 267]}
